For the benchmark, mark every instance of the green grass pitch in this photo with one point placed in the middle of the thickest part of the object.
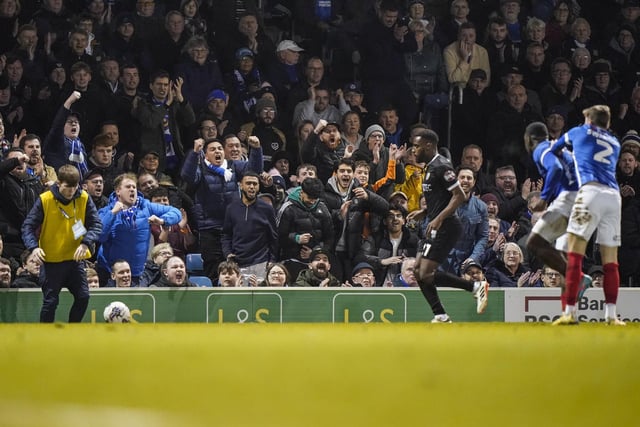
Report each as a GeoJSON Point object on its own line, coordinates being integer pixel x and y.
{"type": "Point", "coordinates": [462, 374]}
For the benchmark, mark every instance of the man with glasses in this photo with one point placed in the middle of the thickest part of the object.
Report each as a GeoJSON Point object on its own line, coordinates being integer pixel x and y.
{"type": "Point", "coordinates": [512, 202]}
{"type": "Point", "coordinates": [63, 145]}
{"type": "Point", "coordinates": [551, 278]}
{"type": "Point", "coordinates": [273, 139]}
{"type": "Point", "coordinates": [362, 276]}
{"type": "Point", "coordinates": [559, 90]}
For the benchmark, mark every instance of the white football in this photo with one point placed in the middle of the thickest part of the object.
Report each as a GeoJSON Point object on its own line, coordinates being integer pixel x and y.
{"type": "Point", "coordinates": [117, 312]}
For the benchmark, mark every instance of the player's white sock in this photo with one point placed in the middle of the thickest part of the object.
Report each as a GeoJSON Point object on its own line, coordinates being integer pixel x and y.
{"type": "Point", "coordinates": [476, 285]}
{"type": "Point", "coordinates": [610, 311]}
{"type": "Point", "coordinates": [570, 309]}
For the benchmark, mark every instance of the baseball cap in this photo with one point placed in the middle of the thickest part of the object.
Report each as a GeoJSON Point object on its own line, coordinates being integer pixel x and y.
{"type": "Point", "coordinates": [336, 124]}
{"type": "Point", "coordinates": [92, 173]}
{"type": "Point", "coordinates": [353, 87]}
{"type": "Point", "coordinates": [558, 109]}
{"type": "Point", "coordinates": [631, 3]}
{"type": "Point", "coordinates": [595, 269]}
{"type": "Point", "coordinates": [216, 94]}
{"type": "Point", "coordinates": [125, 18]}
{"type": "Point", "coordinates": [288, 45]}
{"type": "Point", "coordinates": [244, 52]}
{"type": "Point", "coordinates": [319, 250]}
{"type": "Point", "coordinates": [154, 152]}
{"type": "Point", "coordinates": [398, 193]}
{"type": "Point", "coordinates": [467, 265]}
{"type": "Point", "coordinates": [279, 181]}
{"type": "Point", "coordinates": [54, 66]}
{"type": "Point", "coordinates": [478, 73]}
{"type": "Point", "coordinates": [361, 266]}
{"type": "Point", "coordinates": [511, 69]}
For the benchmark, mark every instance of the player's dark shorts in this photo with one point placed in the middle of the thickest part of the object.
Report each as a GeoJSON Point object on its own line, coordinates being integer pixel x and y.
{"type": "Point", "coordinates": [445, 240]}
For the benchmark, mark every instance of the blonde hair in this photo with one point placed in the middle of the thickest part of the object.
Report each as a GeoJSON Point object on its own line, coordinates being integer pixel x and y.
{"type": "Point", "coordinates": [514, 247]}
{"type": "Point", "coordinates": [599, 115]}
{"type": "Point", "coordinates": [159, 248]}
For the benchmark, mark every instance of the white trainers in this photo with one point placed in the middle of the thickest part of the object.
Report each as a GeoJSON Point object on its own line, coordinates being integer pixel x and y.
{"type": "Point", "coordinates": [615, 322]}
{"type": "Point", "coordinates": [482, 295]}
{"type": "Point", "coordinates": [441, 318]}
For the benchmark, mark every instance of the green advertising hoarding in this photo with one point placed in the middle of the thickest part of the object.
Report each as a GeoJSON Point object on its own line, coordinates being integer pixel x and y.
{"type": "Point", "coordinates": [261, 305]}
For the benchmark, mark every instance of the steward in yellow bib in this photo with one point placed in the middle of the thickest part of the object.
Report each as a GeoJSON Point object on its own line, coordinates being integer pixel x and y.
{"type": "Point", "coordinates": [68, 225]}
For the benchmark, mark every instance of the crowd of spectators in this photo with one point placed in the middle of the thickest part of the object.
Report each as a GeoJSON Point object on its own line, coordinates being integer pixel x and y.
{"type": "Point", "coordinates": [274, 139]}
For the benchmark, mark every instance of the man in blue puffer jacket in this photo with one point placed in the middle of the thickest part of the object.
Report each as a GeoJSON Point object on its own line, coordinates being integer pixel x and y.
{"type": "Point", "coordinates": [126, 228]}
{"type": "Point", "coordinates": [215, 181]}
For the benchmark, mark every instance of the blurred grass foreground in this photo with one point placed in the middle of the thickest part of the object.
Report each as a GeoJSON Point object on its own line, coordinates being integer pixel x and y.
{"type": "Point", "coordinates": [461, 374]}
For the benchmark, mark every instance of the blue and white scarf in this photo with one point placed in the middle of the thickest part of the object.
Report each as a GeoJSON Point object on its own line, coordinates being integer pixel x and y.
{"type": "Point", "coordinates": [220, 170]}
{"type": "Point", "coordinates": [77, 156]}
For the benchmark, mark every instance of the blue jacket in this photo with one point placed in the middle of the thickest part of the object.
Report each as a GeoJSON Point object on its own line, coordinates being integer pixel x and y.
{"type": "Point", "coordinates": [212, 193]}
{"type": "Point", "coordinates": [475, 231]}
{"type": "Point", "coordinates": [250, 232]}
{"type": "Point", "coordinates": [128, 239]}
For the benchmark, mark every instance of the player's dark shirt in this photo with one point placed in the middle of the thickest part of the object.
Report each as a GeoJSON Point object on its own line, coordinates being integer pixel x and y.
{"type": "Point", "coordinates": [439, 180]}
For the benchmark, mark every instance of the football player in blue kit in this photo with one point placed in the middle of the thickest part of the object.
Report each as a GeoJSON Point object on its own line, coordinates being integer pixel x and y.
{"type": "Point", "coordinates": [558, 194]}
{"type": "Point", "coordinates": [597, 205]}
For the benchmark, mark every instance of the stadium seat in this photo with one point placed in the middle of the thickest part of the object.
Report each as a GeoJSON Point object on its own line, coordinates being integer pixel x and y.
{"type": "Point", "coordinates": [194, 264]}
{"type": "Point", "coordinates": [201, 281]}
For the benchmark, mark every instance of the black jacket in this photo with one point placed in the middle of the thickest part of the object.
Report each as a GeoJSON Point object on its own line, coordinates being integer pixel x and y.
{"type": "Point", "coordinates": [349, 230]}
{"type": "Point", "coordinates": [294, 217]}
{"type": "Point", "coordinates": [17, 197]}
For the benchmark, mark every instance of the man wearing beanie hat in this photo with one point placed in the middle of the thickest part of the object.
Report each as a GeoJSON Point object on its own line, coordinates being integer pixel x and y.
{"type": "Point", "coordinates": [373, 151]}
{"type": "Point", "coordinates": [556, 121]}
{"type": "Point", "coordinates": [631, 142]}
{"type": "Point", "coordinates": [362, 275]}
{"type": "Point", "coordinates": [272, 138]}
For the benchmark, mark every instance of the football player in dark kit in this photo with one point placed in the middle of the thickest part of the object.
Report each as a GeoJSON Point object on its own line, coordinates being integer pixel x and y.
{"type": "Point", "coordinates": [443, 194]}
